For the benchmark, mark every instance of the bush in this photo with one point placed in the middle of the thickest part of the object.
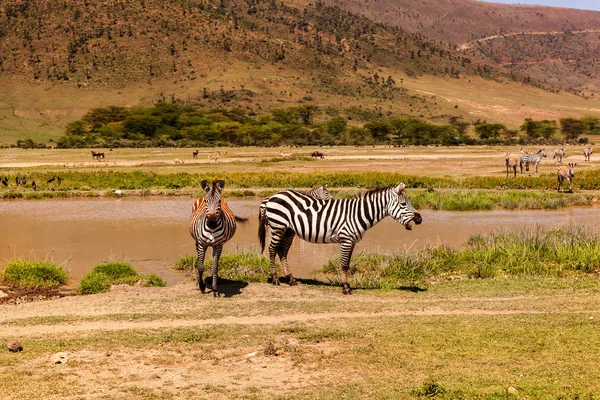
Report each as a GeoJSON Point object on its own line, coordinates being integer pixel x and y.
{"type": "Point", "coordinates": [34, 274]}
{"type": "Point", "coordinates": [95, 282]}
{"type": "Point", "coordinates": [103, 276]}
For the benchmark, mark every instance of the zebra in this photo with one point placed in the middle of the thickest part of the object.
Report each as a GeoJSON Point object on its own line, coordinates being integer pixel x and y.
{"type": "Point", "coordinates": [566, 172]}
{"type": "Point", "coordinates": [290, 213]}
{"type": "Point", "coordinates": [211, 224]}
{"type": "Point", "coordinates": [533, 157]}
{"type": "Point", "coordinates": [559, 154]}
{"type": "Point", "coordinates": [318, 192]}
{"type": "Point", "coordinates": [587, 152]}
{"type": "Point", "coordinates": [510, 163]}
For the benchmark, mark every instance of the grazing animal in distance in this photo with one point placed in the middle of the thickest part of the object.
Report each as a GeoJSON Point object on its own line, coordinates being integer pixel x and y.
{"type": "Point", "coordinates": [51, 180]}
{"type": "Point", "coordinates": [211, 224]}
{"type": "Point", "coordinates": [24, 181]}
{"type": "Point", "coordinates": [4, 181]}
{"type": "Point", "coordinates": [511, 163]}
{"type": "Point", "coordinates": [282, 154]}
{"type": "Point", "coordinates": [566, 172]}
{"type": "Point", "coordinates": [215, 158]}
{"type": "Point", "coordinates": [344, 221]}
{"type": "Point", "coordinates": [59, 180]}
{"type": "Point", "coordinates": [532, 158]}
{"type": "Point", "coordinates": [178, 161]}
{"type": "Point", "coordinates": [17, 181]}
{"type": "Point", "coordinates": [559, 154]}
{"type": "Point", "coordinates": [587, 152]}
{"type": "Point", "coordinates": [33, 185]}
{"type": "Point", "coordinates": [97, 155]}
{"type": "Point", "coordinates": [317, 154]}
{"type": "Point", "coordinates": [195, 154]}
{"type": "Point", "coordinates": [318, 192]}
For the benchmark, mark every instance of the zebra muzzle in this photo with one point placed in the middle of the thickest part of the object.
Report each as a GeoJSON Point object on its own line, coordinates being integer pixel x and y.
{"type": "Point", "coordinates": [416, 219]}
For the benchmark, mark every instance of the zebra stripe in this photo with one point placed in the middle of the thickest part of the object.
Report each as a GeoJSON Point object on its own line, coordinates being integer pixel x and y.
{"type": "Point", "coordinates": [511, 163]}
{"type": "Point", "coordinates": [532, 158]}
{"type": "Point", "coordinates": [587, 153]}
{"type": "Point", "coordinates": [211, 224]}
{"type": "Point", "coordinates": [290, 213]}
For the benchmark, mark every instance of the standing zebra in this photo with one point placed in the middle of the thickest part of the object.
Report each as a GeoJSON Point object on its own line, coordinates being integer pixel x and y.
{"type": "Point", "coordinates": [587, 152]}
{"type": "Point", "coordinates": [345, 221]}
{"type": "Point", "coordinates": [511, 163]}
{"type": "Point", "coordinates": [318, 192]}
{"type": "Point", "coordinates": [533, 158]}
{"type": "Point", "coordinates": [211, 224]}
{"type": "Point", "coordinates": [566, 172]}
{"type": "Point", "coordinates": [559, 154]}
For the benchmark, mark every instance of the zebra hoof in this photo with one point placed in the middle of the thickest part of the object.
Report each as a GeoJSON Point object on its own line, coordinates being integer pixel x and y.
{"type": "Point", "coordinates": [346, 290]}
{"type": "Point", "coordinates": [216, 294]}
{"type": "Point", "coordinates": [293, 282]}
{"type": "Point", "coordinates": [275, 281]}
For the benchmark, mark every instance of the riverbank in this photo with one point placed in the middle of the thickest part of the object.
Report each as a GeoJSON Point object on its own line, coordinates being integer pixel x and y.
{"type": "Point", "coordinates": [515, 338]}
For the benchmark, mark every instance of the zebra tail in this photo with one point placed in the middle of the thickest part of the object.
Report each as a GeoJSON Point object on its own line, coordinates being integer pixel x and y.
{"type": "Point", "coordinates": [262, 230]}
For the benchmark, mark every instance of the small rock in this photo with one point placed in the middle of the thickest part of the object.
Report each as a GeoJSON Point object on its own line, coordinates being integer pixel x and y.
{"type": "Point", "coordinates": [60, 358]}
{"type": "Point", "coordinates": [15, 346]}
{"type": "Point", "coordinates": [512, 390]}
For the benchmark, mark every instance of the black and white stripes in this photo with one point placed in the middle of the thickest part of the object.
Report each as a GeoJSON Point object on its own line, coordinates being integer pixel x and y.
{"type": "Point", "coordinates": [532, 158]}
{"type": "Point", "coordinates": [290, 213]}
{"type": "Point", "coordinates": [211, 224]}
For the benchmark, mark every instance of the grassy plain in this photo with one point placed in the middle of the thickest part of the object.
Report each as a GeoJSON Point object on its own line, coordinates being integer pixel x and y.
{"type": "Point", "coordinates": [502, 337]}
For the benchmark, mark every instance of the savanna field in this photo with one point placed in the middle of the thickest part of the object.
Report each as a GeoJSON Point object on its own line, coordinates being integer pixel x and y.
{"type": "Point", "coordinates": [509, 314]}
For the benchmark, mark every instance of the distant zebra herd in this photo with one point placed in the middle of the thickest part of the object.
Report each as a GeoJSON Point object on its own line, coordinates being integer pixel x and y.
{"type": "Point", "coordinates": [314, 216]}
{"type": "Point", "coordinates": [535, 157]}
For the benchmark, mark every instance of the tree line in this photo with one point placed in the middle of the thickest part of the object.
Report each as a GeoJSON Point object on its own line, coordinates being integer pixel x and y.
{"type": "Point", "coordinates": [173, 125]}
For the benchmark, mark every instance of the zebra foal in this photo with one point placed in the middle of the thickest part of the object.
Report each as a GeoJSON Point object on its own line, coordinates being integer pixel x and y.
{"type": "Point", "coordinates": [587, 152]}
{"type": "Point", "coordinates": [289, 213]}
{"type": "Point", "coordinates": [566, 172]}
{"type": "Point", "coordinates": [532, 158]}
{"type": "Point", "coordinates": [559, 154]}
{"type": "Point", "coordinates": [211, 224]}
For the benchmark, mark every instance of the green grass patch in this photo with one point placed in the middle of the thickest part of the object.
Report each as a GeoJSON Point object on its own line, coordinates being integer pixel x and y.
{"type": "Point", "coordinates": [34, 274]}
{"type": "Point", "coordinates": [554, 253]}
{"type": "Point", "coordinates": [103, 276]}
{"type": "Point", "coordinates": [246, 267]}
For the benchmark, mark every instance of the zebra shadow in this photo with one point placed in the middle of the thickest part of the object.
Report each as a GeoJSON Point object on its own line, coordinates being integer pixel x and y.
{"type": "Point", "coordinates": [315, 282]}
{"type": "Point", "coordinates": [227, 287]}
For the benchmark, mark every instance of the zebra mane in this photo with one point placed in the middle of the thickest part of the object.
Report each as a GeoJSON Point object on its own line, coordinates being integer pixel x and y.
{"type": "Point", "coordinates": [373, 191]}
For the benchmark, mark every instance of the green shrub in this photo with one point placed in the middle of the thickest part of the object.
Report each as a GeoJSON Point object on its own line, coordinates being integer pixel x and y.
{"type": "Point", "coordinates": [103, 276]}
{"type": "Point", "coordinates": [34, 274]}
{"type": "Point", "coordinates": [116, 270]}
{"type": "Point", "coordinates": [95, 282]}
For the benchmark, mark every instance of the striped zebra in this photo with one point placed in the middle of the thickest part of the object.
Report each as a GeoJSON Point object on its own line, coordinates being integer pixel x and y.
{"type": "Point", "coordinates": [211, 224]}
{"type": "Point", "coordinates": [290, 213]}
{"type": "Point", "coordinates": [566, 172]}
{"type": "Point", "coordinates": [532, 158]}
{"type": "Point", "coordinates": [559, 154]}
{"type": "Point", "coordinates": [318, 192]}
{"type": "Point", "coordinates": [587, 152]}
{"type": "Point", "coordinates": [511, 163]}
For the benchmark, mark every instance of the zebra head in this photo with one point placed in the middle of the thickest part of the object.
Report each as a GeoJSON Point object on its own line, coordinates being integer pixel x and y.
{"type": "Point", "coordinates": [401, 209]}
{"type": "Point", "coordinates": [542, 153]}
{"type": "Point", "coordinates": [212, 199]}
{"type": "Point", "coordinates": [571, 171]}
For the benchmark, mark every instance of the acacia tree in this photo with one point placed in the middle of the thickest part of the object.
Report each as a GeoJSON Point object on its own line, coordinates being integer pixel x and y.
{"type": "Point", "coordinates": [571, 128]}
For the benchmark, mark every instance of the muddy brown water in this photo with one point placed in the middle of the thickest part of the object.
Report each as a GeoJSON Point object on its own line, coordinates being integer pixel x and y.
{"type": "Point", "coordinates": [152, 233]}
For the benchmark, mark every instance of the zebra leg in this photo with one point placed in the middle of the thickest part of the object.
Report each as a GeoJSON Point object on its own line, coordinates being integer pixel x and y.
{"type": "Point", "coordinates": [200, 266]}
{"type": "Point", "coordinates": [284, 248]}
{"type": "Point", "coordinates": [276, 237]}
{"type": "Point", "coordinates": [215, 268]}
{"type": "Point", "coordinates": [347, 249]}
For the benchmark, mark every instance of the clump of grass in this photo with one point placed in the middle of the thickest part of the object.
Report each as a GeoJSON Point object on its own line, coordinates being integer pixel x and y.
{"type": "Point", "coordinates": [34, 274]}
{"type": "Point", "coordinates": [536, 252]}
{"type": "Point", "coordinates": [243, 266]}
{"type": "Point", "coordinates": [103, 276]}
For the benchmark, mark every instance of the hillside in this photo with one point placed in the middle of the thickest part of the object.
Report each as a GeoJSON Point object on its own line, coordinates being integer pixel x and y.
{"type": "Point", "coordinates": [59, 59]}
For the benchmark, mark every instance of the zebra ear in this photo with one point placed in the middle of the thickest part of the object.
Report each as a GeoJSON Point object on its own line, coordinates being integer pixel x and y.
{"type": "Point", "coordinates": [221, 184]}
{"type": "Point", "coordinates": [400, 188]}
{"type": "Point", "coordinates": [205, 185]}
